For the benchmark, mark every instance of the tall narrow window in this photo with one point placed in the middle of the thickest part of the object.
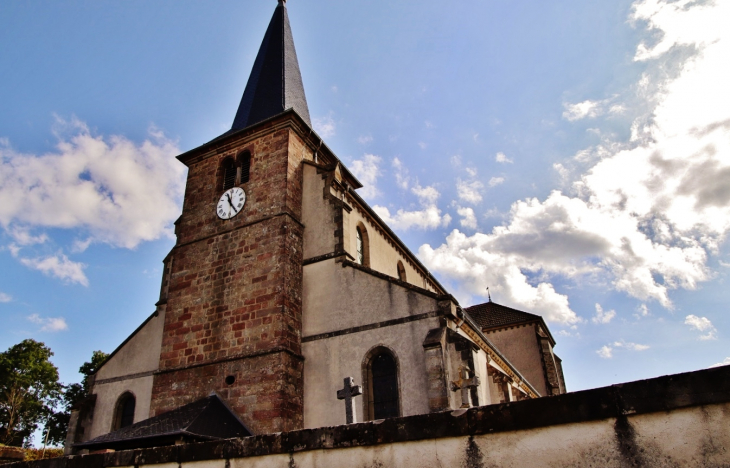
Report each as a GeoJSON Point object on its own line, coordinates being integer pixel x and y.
{"type": "Point", "coordinates": [383, 386]}
{"type": "Point", "coordinates": [401, 271]}
{"type": "Point", "coordinates": [229, 174]}
{"type": "Point", "coordinates": [245, 167]}
{"type": "Point", "coordinates": [360, 248]}
{"type": "Point", "coordinates": [124, 412]}
{"type": "Point", "coordinates": [362, 245]}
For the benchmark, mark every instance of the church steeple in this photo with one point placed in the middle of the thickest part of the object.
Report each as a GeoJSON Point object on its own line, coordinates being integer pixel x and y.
{"type": "Point", "coordinates": [275, 84]}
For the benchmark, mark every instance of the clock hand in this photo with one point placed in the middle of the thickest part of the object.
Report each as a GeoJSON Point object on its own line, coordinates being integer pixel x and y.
{"type": "Point", "coordinates": [230, 202]}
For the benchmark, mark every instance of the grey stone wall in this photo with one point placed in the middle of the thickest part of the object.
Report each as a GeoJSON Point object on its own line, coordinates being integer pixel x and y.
{"type": "Point", "coordinates": [672, 421]}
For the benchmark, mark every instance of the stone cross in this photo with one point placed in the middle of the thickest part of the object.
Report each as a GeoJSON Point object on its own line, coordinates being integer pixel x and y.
{"type": "Point", "coordinates": [464, 384]}
{"type": "Point", "coordinates": [348, 394]}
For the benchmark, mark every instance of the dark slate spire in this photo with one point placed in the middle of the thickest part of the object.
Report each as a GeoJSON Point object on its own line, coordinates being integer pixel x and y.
{"type": "Point", "coordinates": [275, 84]}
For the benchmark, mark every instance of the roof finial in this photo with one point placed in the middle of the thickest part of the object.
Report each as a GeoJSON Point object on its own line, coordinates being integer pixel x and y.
{"type": "Point", "coordinates": [282, 2]}
{"type": "Point", "coordinates": [489, 295]}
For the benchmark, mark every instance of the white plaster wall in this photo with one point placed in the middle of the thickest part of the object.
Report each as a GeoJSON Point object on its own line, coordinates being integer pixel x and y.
{"type": "Point", "coordinates": [107, 395]}
{"type": "Point", "coordinates": [140, 354]}
{"type": "Point", "coordinates": [520, 347]}
{"type": "Point", "coordinates": [383, 255]}
{"type": "Point", "coordinates": [328, 361]}
{"type": "Point", "coordinates": [337, 297]}
{"type": "Point", "coordinates": [480, 362]}
{"type": "Point", "coordinates": [317, 215]}
{"type": "Point", "coordinates": [693, 437]}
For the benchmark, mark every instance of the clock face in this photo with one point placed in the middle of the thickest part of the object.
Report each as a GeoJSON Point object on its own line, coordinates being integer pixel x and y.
{"type": "Point", "coordinates": [231, 203]}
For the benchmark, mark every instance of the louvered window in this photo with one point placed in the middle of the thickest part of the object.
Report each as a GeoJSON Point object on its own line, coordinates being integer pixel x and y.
{"type": "Point", "coordinates": [245, 167]}
{"type": "Point", "coordinates": [229, 174]}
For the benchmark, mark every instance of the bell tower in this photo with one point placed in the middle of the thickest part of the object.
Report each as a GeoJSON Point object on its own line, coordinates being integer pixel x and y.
{"type": "Point", "coordinates": [233, 281]}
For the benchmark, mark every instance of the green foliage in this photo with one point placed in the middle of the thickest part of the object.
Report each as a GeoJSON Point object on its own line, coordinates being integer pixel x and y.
{"type": "Point", "coordinates": [89, 368]}
{"type": "Point", "coordinates": [40, 454]}
{"type": "Point", "coordinates": [73, 395]}
{"type": "Point", "coordinates": [29, 390]}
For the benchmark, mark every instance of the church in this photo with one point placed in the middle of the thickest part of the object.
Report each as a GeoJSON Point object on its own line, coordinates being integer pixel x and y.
{"type": "Point", "coordinates": [287, 303]}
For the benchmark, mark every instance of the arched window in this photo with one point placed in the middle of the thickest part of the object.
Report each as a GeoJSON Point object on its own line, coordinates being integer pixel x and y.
{"type": "Point", "coordinates": [362, 246]}
{"type": "Point", "coordinates": [124, 411]}
{"type": "Point", "coordinates": [245, 160]}
{"type": "Point", "coordinates": [381, 375]}
{"type": "Point", "coordinates": [229, 174]}
{"type": "Point", "coordinates": [401, 271]}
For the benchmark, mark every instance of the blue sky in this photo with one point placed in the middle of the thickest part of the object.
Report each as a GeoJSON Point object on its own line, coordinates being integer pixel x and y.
{"type": "Point", "coordinates": [572, 155]}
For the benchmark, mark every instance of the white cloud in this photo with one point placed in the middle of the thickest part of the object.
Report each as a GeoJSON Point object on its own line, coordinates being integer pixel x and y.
{"type": "Point", "coordinates": [494, 181]}
{"type": "Point", "coordinates": [630, 346]}
{"type": "Point", "coordinates": [367, 170]}
{"type": "Point", "coordinates": [725, 362]}
{"type": "Point", "coordinates": [49, 324]}
{"type": "Point", "coordinates": [582, 110]}
{"type": "Point", "coordinates": [401, 174]}
{"type": "Point", "coordinates": [642, 311]}
{"type": "Point", "coordinates": [118, 192]}
{"type": "Point", "coordinates": [647, 213]}
{"type": "Point", "coordinates": [365, 139]}
{"type": "Point", "coordinates": [422, 145]}
{"type": "Point", "coordinates": [603, 316]}
{"type": "Point", "coordinates": [702, 324]}
{"type": "Point", "coordinates": [502, 158]}
{"type": "Point", "coordinates": [325, 126]}
{"type": "Point", "coordinates": [469, 220]}
{"type": "Point", "coordinates": [428, 217]}
{"type": "Point", "coordinates": [476, 264]}
{"type": "Point", "coordinates": [469, 191]}
{"type": "Point", "coordinates": [606, 352]}
{"type": "Point", "coordinates": [60, 267]}
{"type": "Point", "coordinates": [471, 171]}
{"type": "Point", "coordinates": [23, 237]}
{"type": "Point", "coordinates": [5, 297]}
{"type": "Point", "coordinates": [455, 160]}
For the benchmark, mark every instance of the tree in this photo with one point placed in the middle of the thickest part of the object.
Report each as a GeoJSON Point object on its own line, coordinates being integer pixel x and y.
{"type": "Point", "coordinates": [29, 390]}
{"type": "Point", "coordinates": [73, 395]}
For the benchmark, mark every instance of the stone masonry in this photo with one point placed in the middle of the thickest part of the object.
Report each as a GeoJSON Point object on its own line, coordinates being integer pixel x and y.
{"type": "Point", "coordinates": [233, 307]}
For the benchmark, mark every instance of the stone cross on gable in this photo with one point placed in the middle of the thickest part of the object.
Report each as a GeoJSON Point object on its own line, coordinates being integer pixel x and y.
{"type": "Point", "coordinates": [348, 394]}
{"type": "Point", "coordinates": [464, 384]}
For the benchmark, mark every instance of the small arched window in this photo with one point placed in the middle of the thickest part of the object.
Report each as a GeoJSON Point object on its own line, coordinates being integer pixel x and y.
{"type": "Point", "coordinates": [124, 412]}
{"type": "Point", "coordinates": [362, 245]}
{"type": "Point", "coordinates": [245, 160]}
{"type": "Point", "coordinates": [401, 271]}
{"type": "Point", "coordinates": [360, 248]}
{"type": "Point", "coordinates": [382, 384]}
{"type": "Point", "coordinates": [229, 174]}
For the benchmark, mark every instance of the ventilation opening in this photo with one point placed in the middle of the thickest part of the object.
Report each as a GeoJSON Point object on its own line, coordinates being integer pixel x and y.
{"type": "Point", "coordinates": [229, 174]}
{"type": "Point", "coordinates": [245, 167]}
{"type": "Point", "coordinates": [230, 379]}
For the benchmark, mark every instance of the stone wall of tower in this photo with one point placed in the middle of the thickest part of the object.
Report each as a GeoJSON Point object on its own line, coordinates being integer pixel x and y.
{"type": "Point", "coordinates": [234, 299]}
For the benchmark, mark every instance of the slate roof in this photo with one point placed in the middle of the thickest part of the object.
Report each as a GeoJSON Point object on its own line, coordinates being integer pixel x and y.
{"type": "Point", "coordinates": [493, 315]}
{"type": "Point", "coordinates": [275, 83]}
{"type": "Point", "coordinates": [206, 419]}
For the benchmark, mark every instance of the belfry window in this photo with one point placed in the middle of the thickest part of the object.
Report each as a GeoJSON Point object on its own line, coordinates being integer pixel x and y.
{"type": "Point", "coordinates": [382, 385]}
{"type": "Point", "coordinates": [401, 271]}
{"type": "Point", "coordinates": [245, 160]}
{"type": "Point", "coordinates": [229, 174]}
{"type": "Point", "coordinates": [124, 411]}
